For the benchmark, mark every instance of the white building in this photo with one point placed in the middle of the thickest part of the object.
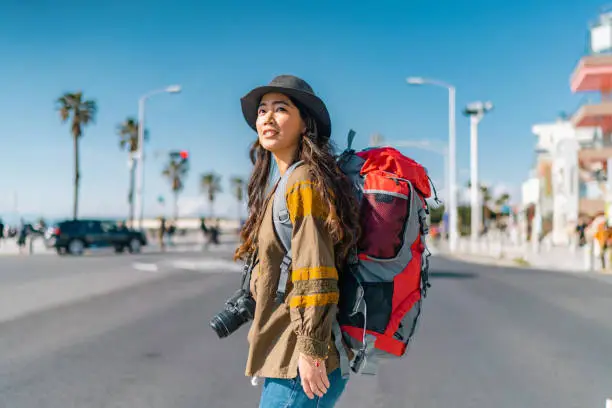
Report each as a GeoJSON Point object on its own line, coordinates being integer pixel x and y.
{"type": "Point", "coordinates": [553, 186]}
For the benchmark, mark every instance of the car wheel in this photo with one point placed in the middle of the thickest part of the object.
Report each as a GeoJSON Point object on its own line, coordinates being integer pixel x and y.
{"type": "Point", "coordinates": [135, 246]}
{"type": "Point", "coordinates": [76, 247]}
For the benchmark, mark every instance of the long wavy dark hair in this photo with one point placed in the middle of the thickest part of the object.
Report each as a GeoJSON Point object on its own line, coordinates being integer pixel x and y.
{"type": "Point", "coordinates": [343, 216]}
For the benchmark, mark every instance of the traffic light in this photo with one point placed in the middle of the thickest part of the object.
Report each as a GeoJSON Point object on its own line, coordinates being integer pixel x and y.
{"type": "Point", "coordinates": [182, 154]}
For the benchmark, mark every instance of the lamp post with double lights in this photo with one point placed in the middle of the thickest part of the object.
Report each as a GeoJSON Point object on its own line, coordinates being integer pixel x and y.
{"type": "Point", "coordinates": [139, 202]}
{"type": "Point", "coordinates": [475, 111]}
{"type": "Point", "coordinates": [452, 157]}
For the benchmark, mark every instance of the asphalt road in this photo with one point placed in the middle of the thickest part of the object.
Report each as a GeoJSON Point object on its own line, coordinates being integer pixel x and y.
{"type": "Point", "coordinates": [489, 337]}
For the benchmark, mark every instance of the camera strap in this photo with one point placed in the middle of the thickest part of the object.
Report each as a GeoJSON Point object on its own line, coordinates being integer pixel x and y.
{"type": "Point", "coordinates": [247, 270]}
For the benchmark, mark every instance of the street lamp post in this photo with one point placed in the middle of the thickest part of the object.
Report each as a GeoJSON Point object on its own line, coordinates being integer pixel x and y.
{"type": "Point", "coordinates": [476, 112]}
{"type": "Point", "coordinates": [139, 202]}
{"type": "Point", "coordinates": [452, 157]}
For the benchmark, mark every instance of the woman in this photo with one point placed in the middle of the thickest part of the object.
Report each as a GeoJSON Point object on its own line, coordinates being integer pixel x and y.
{"type": "Point", "coordinates": [291, 345]}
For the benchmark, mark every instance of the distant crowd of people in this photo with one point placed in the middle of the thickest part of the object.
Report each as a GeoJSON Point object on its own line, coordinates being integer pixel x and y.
{"type": "Point", "coordinates": [594, 229]}
{"type": "Point", "coordinates": [21, 232]}
{"type": "Point", "coordinates": [598, 231]}
{"type": "Point", "coordinates": [167, 230]}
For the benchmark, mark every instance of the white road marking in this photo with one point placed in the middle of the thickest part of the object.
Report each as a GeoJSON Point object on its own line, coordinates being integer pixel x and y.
{"type": "Point", "coordinates": [193, 248]}
{"type": "Point", "coordinates": [149, 267]}
{"type": "Point", "coordinates": [209, 265]}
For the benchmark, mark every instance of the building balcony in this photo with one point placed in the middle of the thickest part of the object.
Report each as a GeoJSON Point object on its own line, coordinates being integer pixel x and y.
{"type": "Point", "coordinates": [599, 115]}
{"type": "Point", "coordinates": [593, 73]}
{"type": "Point", "coordinates": [591, 207]}
{"type": "Point", "coordinates": [595, 155]}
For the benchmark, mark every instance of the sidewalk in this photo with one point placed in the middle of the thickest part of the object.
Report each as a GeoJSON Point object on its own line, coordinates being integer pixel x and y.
{"type": "Point", "coordinates": [193, 238]}
{"type": "Point", "coordinates": [494, 252]}
{"type": "Point", "coordinates": [188, 243]}
{"type": "Point", "coordinates": [9, 247]}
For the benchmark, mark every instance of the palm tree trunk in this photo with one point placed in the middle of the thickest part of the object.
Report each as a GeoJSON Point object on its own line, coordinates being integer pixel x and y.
{"type": "Point", "coordinates": [211, 204]}
{"type": "Point", "coordinates": [176, 195]}
{"type": "Point", "coordinates": [77, 176]}
{"type": "Point", "coordinates": [131, 190]}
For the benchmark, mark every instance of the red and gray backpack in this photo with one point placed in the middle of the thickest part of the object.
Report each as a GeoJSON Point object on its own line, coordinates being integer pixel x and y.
{"type": "Point", "coordinates": [382, 288]}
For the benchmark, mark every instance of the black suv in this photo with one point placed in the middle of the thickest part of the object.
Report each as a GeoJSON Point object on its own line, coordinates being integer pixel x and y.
{"type": "Point", "coordinates": [75, 236]}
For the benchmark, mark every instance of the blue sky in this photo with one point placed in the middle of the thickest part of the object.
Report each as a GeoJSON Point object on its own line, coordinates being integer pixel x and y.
{"type": "Point", "coordinates": [356, 55]}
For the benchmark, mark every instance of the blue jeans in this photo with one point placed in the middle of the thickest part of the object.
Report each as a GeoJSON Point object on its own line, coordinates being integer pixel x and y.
{"type": "Point", "coordinates": [288, 393]}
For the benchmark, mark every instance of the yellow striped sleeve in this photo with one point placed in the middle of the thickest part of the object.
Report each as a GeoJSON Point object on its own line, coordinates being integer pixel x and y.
{"type": "Point", "coordinates": [318, 299]}
{"type": "Point", "coordinates": [303, 201]}
{"type": "Point", "coordinates": [319, 272]}
{"type": "Point", "coordinates": [314, 298]}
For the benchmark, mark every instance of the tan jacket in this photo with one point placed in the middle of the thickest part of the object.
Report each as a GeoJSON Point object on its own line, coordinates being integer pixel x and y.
{"type": "Point", "coordinates": [304, 322]}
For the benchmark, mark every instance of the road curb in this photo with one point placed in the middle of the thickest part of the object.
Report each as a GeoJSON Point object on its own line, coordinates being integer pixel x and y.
{"type": "Point", "coordinates": [487, 260]}
{"type": "Point", "coordinates": [483, 260]}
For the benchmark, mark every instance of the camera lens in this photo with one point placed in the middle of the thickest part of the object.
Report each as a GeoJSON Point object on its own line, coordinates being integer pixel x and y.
{"type": "Point", "coordinates": [225, 323]}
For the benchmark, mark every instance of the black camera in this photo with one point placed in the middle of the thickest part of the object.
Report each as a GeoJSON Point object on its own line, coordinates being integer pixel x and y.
{"type": "Point", "coordinates": [239, 309]}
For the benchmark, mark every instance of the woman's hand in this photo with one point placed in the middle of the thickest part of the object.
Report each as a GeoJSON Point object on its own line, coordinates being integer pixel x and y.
{"type": "Point", "coordinates": [314, 379]}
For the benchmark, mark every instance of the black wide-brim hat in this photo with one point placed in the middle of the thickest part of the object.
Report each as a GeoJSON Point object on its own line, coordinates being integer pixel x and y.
{"type": "Point", "coordinates": [298, 90]}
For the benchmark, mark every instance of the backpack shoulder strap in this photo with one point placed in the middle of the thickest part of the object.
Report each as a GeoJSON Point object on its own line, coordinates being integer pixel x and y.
{"type": "Point", "coordinates": [283, 228]}
{"type": "Point", "coordinates": [425, 284]}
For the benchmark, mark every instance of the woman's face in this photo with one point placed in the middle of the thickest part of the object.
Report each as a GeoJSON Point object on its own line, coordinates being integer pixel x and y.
{"type": "Point", "coordinates": [279, 124]}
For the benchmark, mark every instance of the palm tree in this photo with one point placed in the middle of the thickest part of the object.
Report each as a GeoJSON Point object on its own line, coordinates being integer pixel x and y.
{"type": "Point", "coordinates": [502, 199]}
{"type": "Point", "coordinates": [485, 195]}
{"type": "Point", "coordinates": [82, 112]}
{"type": "Point", "coordinates": [486, 198]}
{"type": "Point", "coordinates": [176, 171]}
{"type": "Point", "coordinates": [128, 139]}
{"type": "Point", "coordinates": [484, 192]}
{"type": "Point", "coordinates": [210, 184]}
{"type": "Point", "coordinates": [238, 185]}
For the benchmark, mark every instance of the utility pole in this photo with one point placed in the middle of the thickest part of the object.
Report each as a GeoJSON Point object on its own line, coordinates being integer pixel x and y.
{"type": "Point", "coordinates": [475, 111]}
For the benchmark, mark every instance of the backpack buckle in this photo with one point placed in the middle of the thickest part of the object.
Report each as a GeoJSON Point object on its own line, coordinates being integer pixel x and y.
{"type": "Point", "coordinates": [285, 264]}
{"type": "Point", "coordinates": [284, 277]}
{"type": "Point", "coordinates": [357, 361]}
{"type": "Point", "coordinates": [425, 284]}
{"type": "Point", "coordinates": [423, 221]}
{"type": "Point", "coordinates": [283, 216]}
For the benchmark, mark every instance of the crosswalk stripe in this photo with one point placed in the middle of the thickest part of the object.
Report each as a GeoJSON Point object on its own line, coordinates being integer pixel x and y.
{"type": "Point", "coordinates": [148, 267]}
{"type": "Point", "coordinates": [208, 265]}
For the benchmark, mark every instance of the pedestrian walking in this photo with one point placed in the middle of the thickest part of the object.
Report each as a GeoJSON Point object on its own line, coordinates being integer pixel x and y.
{"type": "Point", "coordinates": [206, 233]}
{"type": "Point", "coordinates": [161, 233]}
{"type": "Point", "coordinates": [214, 233]}
{"type": "Point", "coordinates": [203, 227]}
{"type": "Point", "coordinates": [1, 232]}
{"type": "Point", "coordinates": [24, 231]}
{"type": "Point", "coordinates": [580, 229]}
{"type": "Point", "coordinates": [171, 232]}
{"type": "Point", "coordinates": [291, 345]}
